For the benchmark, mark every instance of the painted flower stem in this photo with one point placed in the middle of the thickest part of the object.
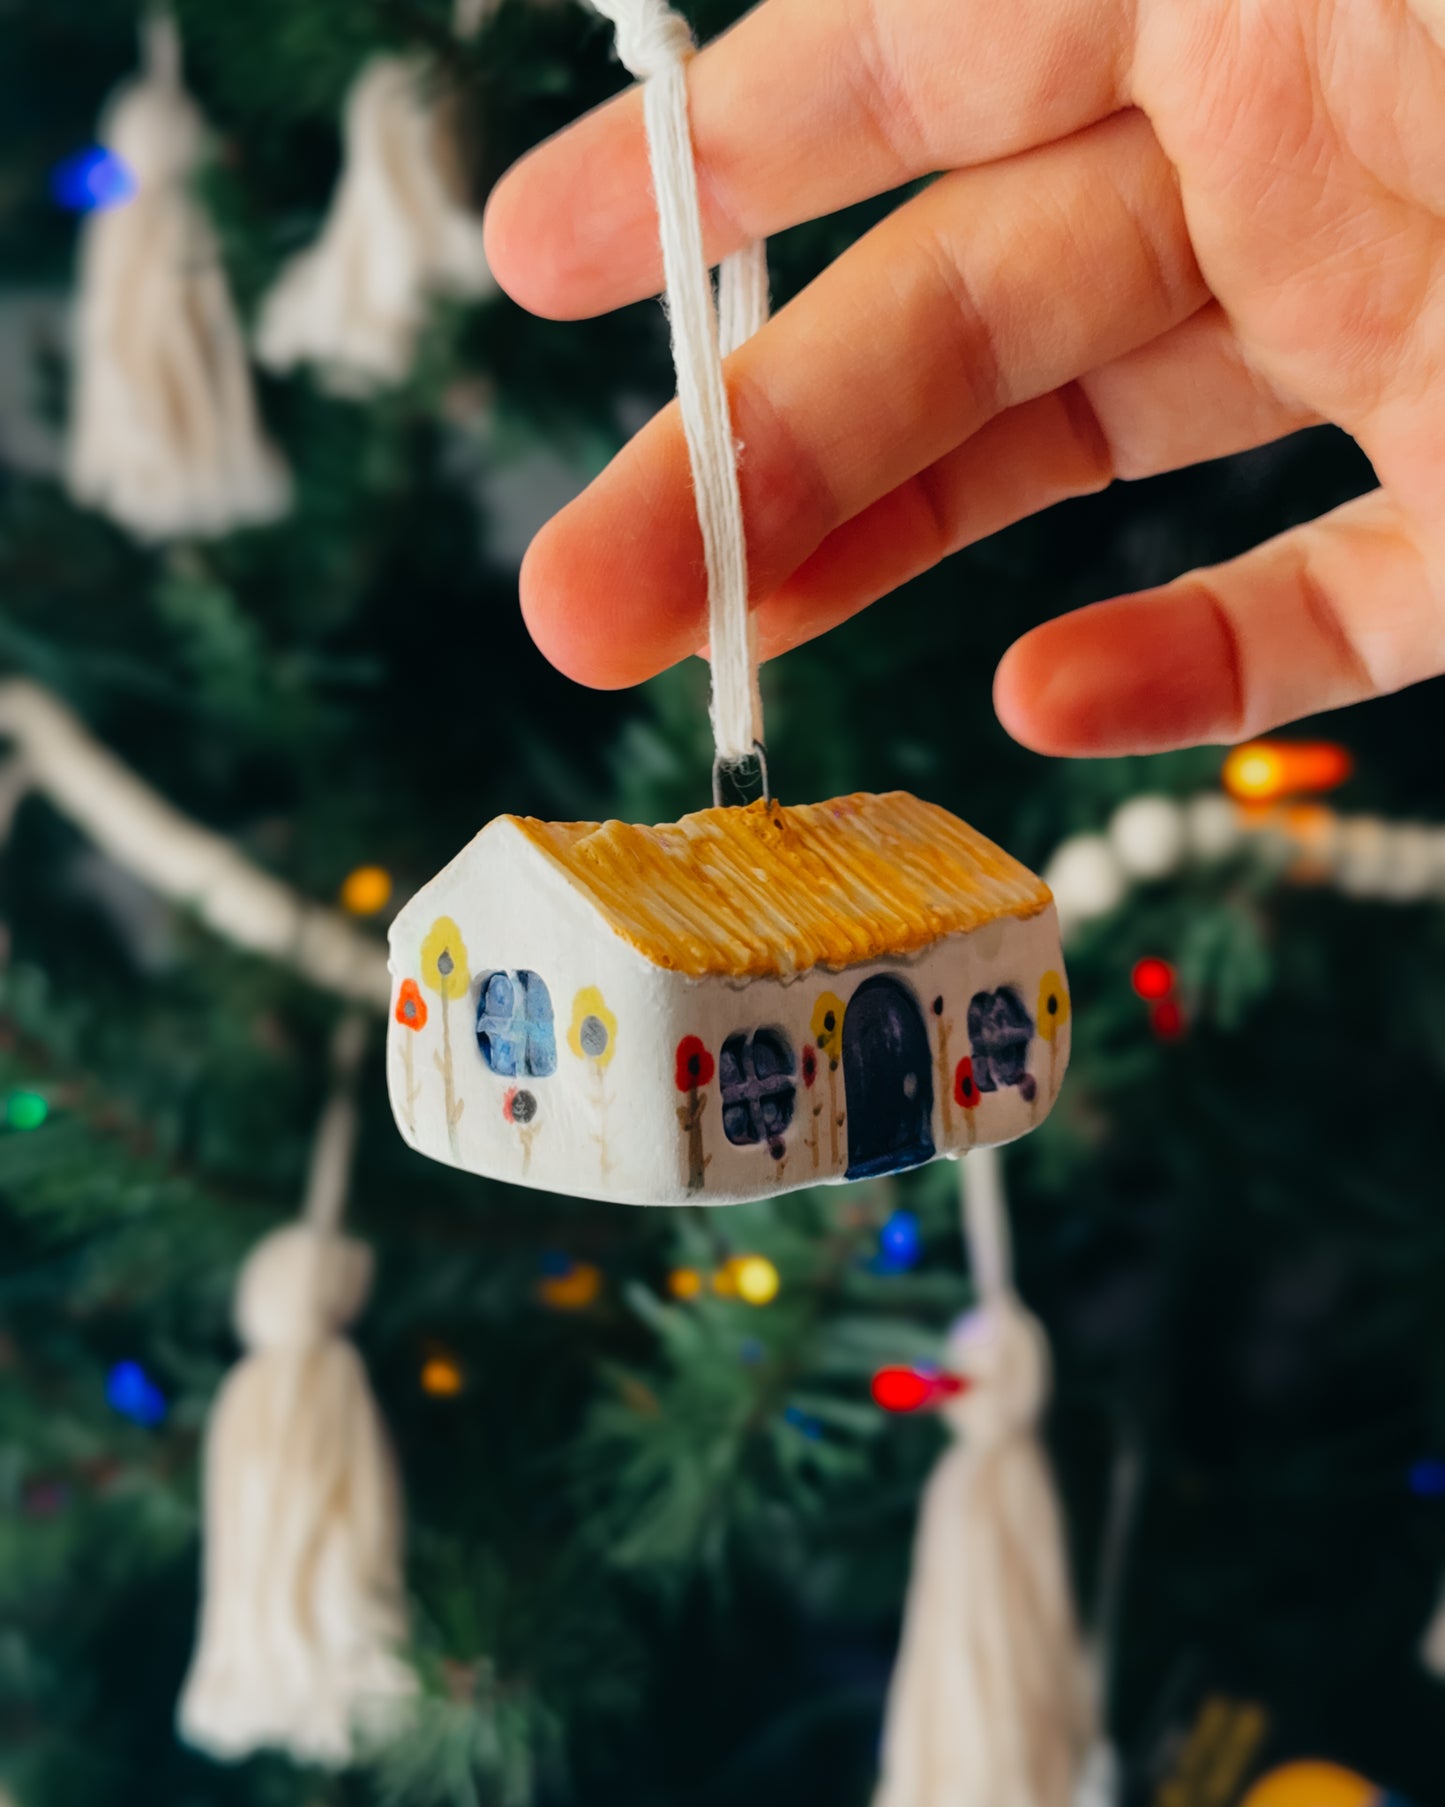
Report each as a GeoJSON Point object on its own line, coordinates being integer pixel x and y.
{"type": "Point", "coordinates": [411, 1085]}
{"type": "Point", "coordinates": [945, 1087]}
{"type": "Point", "coordinates": [689, 1116]}
{"type": "Point", "coordinates": [444, 1067]}
{"type": "Point", "coordinates": [604, 1158]}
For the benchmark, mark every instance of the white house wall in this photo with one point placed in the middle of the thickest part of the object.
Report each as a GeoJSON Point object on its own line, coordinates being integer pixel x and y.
{"type": "Point", "coordinates": [616, 1126]}
{"type": "Point", "coordinates": [1009, 953]}
{"type": "Point", "coordinates": [603, 1127]}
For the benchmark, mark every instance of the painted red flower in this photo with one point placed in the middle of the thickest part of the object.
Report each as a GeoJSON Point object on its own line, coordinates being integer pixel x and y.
{"type": "Point", "coordinates": [694, 1064]}
{"type": "Point", "coordinates": [810, 1064]}
{"type": "Point", "coordinates": [410, 1005]}
{"type": "Point", "coordinates": [965, 1087]}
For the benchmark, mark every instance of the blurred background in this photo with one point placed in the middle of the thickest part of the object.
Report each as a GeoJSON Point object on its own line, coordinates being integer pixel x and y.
{"type": "Point", "coordinates": [658, 1543]}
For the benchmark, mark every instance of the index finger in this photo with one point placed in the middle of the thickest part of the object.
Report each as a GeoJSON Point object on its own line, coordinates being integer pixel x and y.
{"type": "Point", "coordinates": [800, 109]}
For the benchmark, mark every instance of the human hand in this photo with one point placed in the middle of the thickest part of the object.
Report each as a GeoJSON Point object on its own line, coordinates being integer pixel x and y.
{"type": "Point", "coordinates": [1172, 229]}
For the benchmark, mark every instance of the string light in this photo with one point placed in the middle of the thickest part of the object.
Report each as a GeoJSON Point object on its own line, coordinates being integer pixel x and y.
{"type": "Point", "coordinates": [26, 1110]}
{"type": "Point", "coordinates": [1152, 978]}
{"type": "Point", "coordinates": [366, 890]}
{"type": "Point", "coordinates": [572, 1289]}
{"type": "Point", "coordinates": [1316, 1785]}
{"type": "Point", "coordinates": [90, 180]}
{"type": "Point", "coordinates": [1166, 1019]}
{"type": "Point", "coordinates": [1427, 1478]}
{"type": "Point", "coordinates": [684, 1283]}
{"type": "Point", "coordinates": [441, 1377]}
{"type": "Point", "coordinates": [803, 1421]}
{"type": "Point", "coordinates": [131, 1392]}
{"type": "Point", "coordinates": [755, 1279]}
{"type": "Point", "coordinates": [1263, 771]}
{"type": "Point", "coordinates": [911, 1389]}
{"type": "Point", "coordinates": [900, 1242]}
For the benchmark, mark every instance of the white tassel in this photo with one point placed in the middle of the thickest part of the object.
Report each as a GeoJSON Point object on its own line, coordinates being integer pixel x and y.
{"type": "Point", "coordinates": [303, 1607]}
{"type": "Point", "coordinates": [164, 436]}
{"type": "Point", "coordinates": [396, 235]}
{"type": "Point", "coordinates": [991, 1703]}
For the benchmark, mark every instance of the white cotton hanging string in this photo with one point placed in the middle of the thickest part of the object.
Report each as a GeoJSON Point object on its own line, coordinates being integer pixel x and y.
{"type": "Point", "coordinates": [303, 1607]}
{"type": "Point", "coordinates": [164, 434]}
{"type": "Point", "coordinates": [398, 234]}
{"type": "Point", "coordinates": [990, 1704]}
{"type": "Point", "coordinates": [654, 44]}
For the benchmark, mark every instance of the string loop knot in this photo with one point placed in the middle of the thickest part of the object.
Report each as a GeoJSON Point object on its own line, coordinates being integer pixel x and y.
{"type": "Point", "coordinates": [651, 37]}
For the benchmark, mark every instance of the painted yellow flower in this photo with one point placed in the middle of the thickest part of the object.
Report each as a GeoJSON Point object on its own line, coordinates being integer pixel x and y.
{"type": "Point", "coordinates": [828, 1025]}
{"type": "Point", "coordinates": [1053, 1010]}
{"type": "Point", "coordinates": [593, 1031]}
{"type": "Point", "coordinates": [444, 960]}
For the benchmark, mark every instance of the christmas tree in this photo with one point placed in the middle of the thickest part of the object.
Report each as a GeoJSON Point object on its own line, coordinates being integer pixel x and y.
{"type": "Point", "coordinates": [658, 1527]}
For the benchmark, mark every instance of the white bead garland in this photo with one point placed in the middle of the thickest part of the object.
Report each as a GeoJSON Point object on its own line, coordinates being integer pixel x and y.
{"type": "Point", "coordinates": [1147, 833]}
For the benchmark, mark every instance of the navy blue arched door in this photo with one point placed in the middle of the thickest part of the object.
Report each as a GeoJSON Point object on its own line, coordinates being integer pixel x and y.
{"type": "Point", "coordinates": [887, 1079]}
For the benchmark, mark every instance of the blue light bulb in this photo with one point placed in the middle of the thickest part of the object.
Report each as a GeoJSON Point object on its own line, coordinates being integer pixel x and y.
{"type": "Point", "coordinates": [900, 1242]}
{"type": "Point", "coordinates": [90, 180]}
{"type": "Point", "coordinates": [131, 1392]}
{"type": "Point", "coordinates": [1427, 1478]}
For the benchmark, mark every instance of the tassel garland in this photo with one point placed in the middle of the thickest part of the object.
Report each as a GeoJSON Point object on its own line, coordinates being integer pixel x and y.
{"type": "Point", "coordinates": [164, 434]}
{"type": "Point", "coordinates": [397, 234]}
{"type": "Point", "coordinates": [991, 1699]}
{"type": "Point", "coordinates": [303, 1607]}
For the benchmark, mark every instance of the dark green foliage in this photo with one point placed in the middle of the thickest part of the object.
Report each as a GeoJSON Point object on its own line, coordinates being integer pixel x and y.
{"type": "Point", "coordinates": [658, 1548]}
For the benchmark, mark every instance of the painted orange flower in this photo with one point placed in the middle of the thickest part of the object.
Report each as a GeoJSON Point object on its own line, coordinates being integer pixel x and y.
{"type": "Point", "coordinates": [410, 1005]}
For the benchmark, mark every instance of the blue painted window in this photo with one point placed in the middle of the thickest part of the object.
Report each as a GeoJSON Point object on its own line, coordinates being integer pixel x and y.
{"type": "Point", "coordinates": [999, 1031]}
{"type": "Point", "coordinates": [514, 1026]}
{"type": "Point", "coordinates": [755, 1076]}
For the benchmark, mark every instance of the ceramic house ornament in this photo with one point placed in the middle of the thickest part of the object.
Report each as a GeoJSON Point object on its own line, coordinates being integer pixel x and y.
{"type": "Point", "coordinates": [730, 1006]}
{"type": "Point", "coordinates": [754, 998]}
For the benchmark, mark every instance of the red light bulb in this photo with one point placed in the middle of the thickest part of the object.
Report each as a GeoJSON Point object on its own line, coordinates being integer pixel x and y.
{"type": "Point", "coordinates": [910, 1390]}
{"type": "Point", "coordinates": [1152, 978]}
{"type": "Point", "coordinates": [900, 1389]}
{"type": "Point", "coordinates": [1167, 1020]}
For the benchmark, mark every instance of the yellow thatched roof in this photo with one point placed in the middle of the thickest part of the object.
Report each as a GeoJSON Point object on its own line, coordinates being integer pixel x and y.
{"type": "Point", "coordinates": [771, 891]}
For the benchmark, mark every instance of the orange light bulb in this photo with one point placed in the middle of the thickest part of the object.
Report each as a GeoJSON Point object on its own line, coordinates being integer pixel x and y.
{"type": "Point", "coordinates": [441, 1377]}
{"type": "Point", "coordinates": [1263, 771]}
{"type": "Point", "coordinates": [366, 890]}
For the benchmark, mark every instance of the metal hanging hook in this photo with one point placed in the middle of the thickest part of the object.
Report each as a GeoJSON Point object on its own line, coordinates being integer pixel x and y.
{"type": "Point", "coordinates": [747, 777]}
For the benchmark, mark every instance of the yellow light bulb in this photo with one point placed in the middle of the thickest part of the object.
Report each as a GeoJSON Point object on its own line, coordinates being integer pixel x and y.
{"type": "Point", "coordinates": [1312, 1785]}
{"type": "Point", "coordinates": [755, 1279]}
{"type": "Point", "coordinates": [366, 890]}
{"type": "Point", "coordinates": [441, 1377]}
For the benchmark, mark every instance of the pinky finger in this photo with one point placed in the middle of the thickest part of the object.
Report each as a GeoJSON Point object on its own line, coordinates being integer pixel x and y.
{"type": "Point", "coordinates": [1343, 609]}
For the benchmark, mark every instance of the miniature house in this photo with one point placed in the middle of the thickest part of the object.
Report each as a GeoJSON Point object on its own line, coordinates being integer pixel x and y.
{"type": "Point", "coordinates": [728, 1006]}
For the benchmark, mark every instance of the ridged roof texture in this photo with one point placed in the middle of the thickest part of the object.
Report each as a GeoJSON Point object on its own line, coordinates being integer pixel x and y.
{"type": "Point", "coordinates": [767, 891]}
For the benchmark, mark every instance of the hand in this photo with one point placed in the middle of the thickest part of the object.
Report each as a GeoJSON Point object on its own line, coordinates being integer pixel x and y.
{"type": "Point", "coordinates": [1171, 229]}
